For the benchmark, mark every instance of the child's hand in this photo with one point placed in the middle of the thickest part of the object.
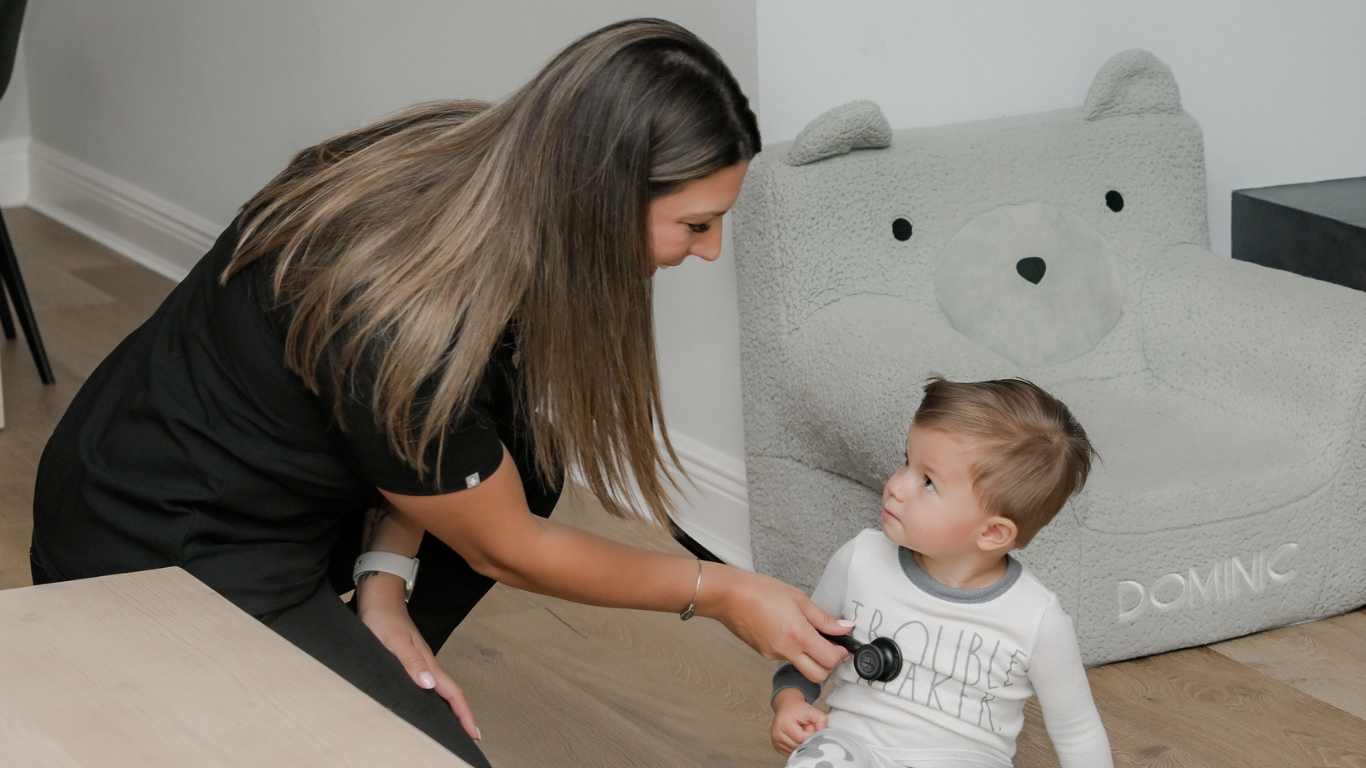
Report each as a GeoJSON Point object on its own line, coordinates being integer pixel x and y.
{"type": "Point", "coordinates": [794, 720]}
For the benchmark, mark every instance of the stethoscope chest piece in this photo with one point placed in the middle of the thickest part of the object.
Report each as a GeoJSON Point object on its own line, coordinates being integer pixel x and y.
{"type": "Point", "coordinates": [879, 660]}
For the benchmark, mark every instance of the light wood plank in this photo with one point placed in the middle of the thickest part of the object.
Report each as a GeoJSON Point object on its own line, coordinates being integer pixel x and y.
{"type": "Point", "coordinates": [129, 284]}
{"type": "Point", "coordinates": [50, 287]}
{"type": "Point", "coordinates": [1325, 659]}
{"type": "Point", "coordinates": [693, 683]}
{"type": "Point", "coordinates": [36, 237]}
{"type": "Point", "coordinates": [82, 336]}
{"type": "Point", "coordinates": [532, 717]}
{"type": "Point", "coordinates": [1200, 708]}
{"type": "Point", "coordinates": [155, 669]}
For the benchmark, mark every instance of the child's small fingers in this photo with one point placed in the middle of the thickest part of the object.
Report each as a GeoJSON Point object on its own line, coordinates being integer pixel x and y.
{"type": "Point", "coordinates": [785, 745]}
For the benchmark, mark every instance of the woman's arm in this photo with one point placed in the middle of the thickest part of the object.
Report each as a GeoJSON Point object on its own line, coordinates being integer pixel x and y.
{"type": "Point", "coordinates": [382, 606]}
{"type": "Point", "coordinates": [388, 530]}
{"type": "Point", "coordinates": [492, 528]}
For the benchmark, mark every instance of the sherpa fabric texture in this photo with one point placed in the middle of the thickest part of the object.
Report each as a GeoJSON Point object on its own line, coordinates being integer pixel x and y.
{"type": "Point", "coordinates": [1225, 399]}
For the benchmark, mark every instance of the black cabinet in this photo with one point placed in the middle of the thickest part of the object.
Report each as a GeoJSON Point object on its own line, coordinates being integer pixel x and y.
{"type": "Point", "coordinates": [1317, 230]}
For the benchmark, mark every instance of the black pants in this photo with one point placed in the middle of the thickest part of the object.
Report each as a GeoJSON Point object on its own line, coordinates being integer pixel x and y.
{"type": "Point", "coordinates": [328, 630]}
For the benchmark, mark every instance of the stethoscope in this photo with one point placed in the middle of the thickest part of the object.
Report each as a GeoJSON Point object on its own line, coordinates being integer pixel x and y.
{"type": "Point", "coordinates": [879, 660]}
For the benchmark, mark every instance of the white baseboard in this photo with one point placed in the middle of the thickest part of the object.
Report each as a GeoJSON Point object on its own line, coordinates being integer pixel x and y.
{"type": "Point", "coordinates": [154, 232]}
{"type": "Point", "coordinates": [716, 511]}
{"type": "Point", "coordinates": [169, 240]}
{"type": "Point", "coordinates": [14, 177]}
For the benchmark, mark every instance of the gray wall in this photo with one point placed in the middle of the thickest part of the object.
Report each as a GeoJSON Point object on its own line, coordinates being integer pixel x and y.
{"type": "Point", "coordinates": [14, 121]}
{"type": "Point", "coordinates": [14, 131]}
{"type": "Point", "coordinates": [201, 103]}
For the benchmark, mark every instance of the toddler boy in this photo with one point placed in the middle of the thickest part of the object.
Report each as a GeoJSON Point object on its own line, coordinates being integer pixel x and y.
{"type": "Point", "coordinates": [988, 464]}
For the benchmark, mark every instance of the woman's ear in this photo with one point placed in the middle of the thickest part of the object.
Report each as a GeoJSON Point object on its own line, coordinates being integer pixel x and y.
{"type": "Point", "coordinates": [998, 533]}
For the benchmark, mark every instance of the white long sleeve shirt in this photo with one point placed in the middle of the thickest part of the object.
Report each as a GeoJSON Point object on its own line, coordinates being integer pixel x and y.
{"type": "Point", "coordinates": [970, 660]}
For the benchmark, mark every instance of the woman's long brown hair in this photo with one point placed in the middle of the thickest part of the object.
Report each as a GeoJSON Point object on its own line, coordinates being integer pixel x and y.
{"type": "Point", "coordinates": [408, 247]}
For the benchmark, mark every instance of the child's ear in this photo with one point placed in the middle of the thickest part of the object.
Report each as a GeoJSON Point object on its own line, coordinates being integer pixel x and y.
{"type": "Point", "coordinates": [998, 533]}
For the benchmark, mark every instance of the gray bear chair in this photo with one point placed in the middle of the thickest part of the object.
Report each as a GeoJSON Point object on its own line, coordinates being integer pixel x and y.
{"type": "Point", "coordinates": [1070, 248]}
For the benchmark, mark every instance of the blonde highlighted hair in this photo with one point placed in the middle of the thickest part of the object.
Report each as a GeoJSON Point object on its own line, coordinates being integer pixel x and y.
{"type": "Point", "coordinates": [1035, 455]}
{"type": "Point", "coordinates": [407, 248]}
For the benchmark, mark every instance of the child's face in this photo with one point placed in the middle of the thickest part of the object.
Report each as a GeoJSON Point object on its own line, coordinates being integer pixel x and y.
{"type": "Point", "coordinates": [929, 505]}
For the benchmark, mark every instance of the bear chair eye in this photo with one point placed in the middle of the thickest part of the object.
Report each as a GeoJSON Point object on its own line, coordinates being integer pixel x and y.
{"type": "Point", "coordinates": [901, 229]}
{"type": "Point", "coordinates": [1114, 200]}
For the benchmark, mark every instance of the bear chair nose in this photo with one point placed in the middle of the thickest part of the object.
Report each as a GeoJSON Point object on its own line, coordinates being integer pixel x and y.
{"type": "Point", "coordinates": [1031, 321]}
{"type": "Point", "coordinates": [1031, 268]}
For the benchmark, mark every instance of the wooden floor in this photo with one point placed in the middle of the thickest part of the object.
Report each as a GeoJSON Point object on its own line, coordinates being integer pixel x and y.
{"type": "Point", "coordinates": [558, 684]}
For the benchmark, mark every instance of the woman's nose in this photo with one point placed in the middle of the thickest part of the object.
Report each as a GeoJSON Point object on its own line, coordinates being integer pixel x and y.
{"type": "Point", "coordinates": [708, 246]}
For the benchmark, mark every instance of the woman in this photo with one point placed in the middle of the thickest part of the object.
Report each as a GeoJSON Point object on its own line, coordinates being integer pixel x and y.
{"type": "Point", "coordinates": [437, 315]}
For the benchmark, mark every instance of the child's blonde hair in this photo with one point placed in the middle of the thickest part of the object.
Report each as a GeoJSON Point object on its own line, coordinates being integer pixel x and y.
{"type": "Point", "coordinates": [1035, 455]}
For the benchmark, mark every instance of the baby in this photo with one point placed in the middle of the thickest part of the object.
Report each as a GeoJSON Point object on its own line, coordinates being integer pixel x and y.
{"type": "Point", "coordinates": [988, 464]}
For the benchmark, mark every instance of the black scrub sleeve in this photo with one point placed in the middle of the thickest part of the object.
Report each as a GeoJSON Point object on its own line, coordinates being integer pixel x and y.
{"type": "Point", "coordinates": [472, 451]}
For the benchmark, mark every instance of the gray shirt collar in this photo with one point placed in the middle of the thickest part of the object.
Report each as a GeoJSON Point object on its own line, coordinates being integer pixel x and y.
{"type": "Point", "coordinates": [985, 594]}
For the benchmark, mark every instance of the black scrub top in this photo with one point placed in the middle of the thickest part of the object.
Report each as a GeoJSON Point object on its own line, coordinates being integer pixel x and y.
{"type": "Point", "coordinates": [193, 444]}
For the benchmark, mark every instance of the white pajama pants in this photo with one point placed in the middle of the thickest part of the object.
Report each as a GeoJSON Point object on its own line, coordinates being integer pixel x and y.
{"type": "Point", "coordinates": [834, 748]}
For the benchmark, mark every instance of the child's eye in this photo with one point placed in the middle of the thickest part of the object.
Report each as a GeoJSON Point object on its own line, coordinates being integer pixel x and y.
{"type": "Point", "coordinates": [929, 483]}
{"type": "Point", "coordinates": [699, 228]}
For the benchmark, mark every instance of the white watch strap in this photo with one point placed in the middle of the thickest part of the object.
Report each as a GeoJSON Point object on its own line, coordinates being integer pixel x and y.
{"type": "Point", "coordinates": [387, 562]}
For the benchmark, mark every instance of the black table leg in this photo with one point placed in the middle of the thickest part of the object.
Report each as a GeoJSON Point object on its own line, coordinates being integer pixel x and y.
{"type": "Point", "coordinates": [6, 321]}
{"type": "Point", "coordinates": [14, 281]}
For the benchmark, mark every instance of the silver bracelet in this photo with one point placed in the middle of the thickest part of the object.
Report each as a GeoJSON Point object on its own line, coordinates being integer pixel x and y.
{"type": "Point", "coordinates": [688, 614]}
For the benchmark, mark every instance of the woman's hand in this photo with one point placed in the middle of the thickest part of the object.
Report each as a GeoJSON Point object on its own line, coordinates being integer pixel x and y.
{"type": "Point", "coordinates": [794, 721]}
{"type": "Point", "coordinates": [776, 619]}
{"type": "Point", "coordinates": [382, 609]}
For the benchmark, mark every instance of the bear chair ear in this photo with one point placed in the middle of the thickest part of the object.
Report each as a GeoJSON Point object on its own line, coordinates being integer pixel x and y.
{"type": "Point", "coordinates": [1132, 83]}
{"type": "Point", "coordinates": [856, 125]}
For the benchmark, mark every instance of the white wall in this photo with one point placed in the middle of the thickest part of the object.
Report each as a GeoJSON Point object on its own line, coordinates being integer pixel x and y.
{"type": "Point", "coordinates": [153, 120]}
{"type": "Point", "coordinates": [14, 122]}
{"type": "Point", "coordinates": [14, 131]}
{"type": "Point", "coordinates": [1279, 88]}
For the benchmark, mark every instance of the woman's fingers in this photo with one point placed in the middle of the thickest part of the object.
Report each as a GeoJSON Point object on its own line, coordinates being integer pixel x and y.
{"type": "Point", "coordinates": [398, 634]}
{"type": "Point", "coordinates": [780, 622]}
{"type": "Point", "coordinates": [826, 653]}
{"type": "Point", "coordinates": [414, 662]}
{"type": "Point", "coordinates": [824, 622]}
{"type": "Point", "coordinates": [812, 669]}
{"type": "Point", "coordinates": [821, 654]}
{"type": "Point", "coordinates": [446, 688]}
{"type": "Point", "coordinates": [455, 697]}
